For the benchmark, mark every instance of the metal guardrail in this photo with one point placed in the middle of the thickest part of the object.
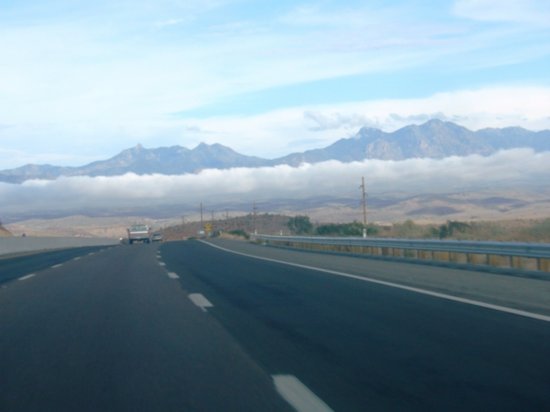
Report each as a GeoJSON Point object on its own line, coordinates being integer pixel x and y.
{"type": "Point", "coordinates": [13, 245]}
{"type": "Point", "coordinates": [503, 254]}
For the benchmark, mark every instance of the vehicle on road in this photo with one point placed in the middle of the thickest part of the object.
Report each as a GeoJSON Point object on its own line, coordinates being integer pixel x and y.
{"type": "Point", "coordinates": [139, 233]}
{"type": "Point", "coordinates": [157, 237]}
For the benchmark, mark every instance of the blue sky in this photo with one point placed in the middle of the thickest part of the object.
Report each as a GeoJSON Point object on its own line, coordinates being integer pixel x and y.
{"type": "Point", "coordinates": [83, 80]}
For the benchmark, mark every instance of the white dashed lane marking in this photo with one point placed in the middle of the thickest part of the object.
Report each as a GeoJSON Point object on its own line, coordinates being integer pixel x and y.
{"type": "Point", "coordinates": [199, 300]}
{"type": "Point", "coordinates": [173, 275]}
{"type": "Point", "coordinates": [298, 395]}
{"type": "Point", "coordinates": [27, 276]}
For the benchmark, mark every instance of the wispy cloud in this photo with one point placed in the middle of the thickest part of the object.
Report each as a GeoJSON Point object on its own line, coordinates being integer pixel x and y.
{"type": "Point", "coordinates": [107, 74]}
{"type": "Point", "coordinates": [324, 124]}
{"type": "Point", "coordinates": [522, 11]}
{"type": "Point", "coordinates": [274, 133]}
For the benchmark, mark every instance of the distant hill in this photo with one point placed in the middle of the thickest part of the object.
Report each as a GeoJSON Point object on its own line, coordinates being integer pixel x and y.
{"type": "Point", "coordinates": [4, 232]}
{"type": "Point", "coordinates": [173, 160]}
{"type": "Point", "coordinates": [433, 139]}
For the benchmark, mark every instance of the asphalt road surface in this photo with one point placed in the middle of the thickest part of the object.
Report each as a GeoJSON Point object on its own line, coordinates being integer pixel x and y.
{"type": "Point", "coordinates": [189, 327]}
{"type": "Point", "coordinates": [112, 332]}
{"type": "Point", "coordinates": [26, 263]}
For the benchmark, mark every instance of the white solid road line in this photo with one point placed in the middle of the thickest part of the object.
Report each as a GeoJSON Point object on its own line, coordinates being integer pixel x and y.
{"type": "Point", "coordinates": [27, 276]}
{"type": "Point", "coordinates": [199, 300]}
{"type": "Point", "coordinates": [173, 275]}
{"type": "Point", "coordinates": [298, 395]}
{"type": "Point", "coordinates": [499, 308]}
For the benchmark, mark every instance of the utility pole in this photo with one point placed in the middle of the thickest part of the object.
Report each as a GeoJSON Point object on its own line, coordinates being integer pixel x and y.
{"type": "Point", "coordinates": [254, 210]}
{"type": "Point", "coordinates": [364, 203]}
{"type": "Point", "coordinates": [226, 225]}
{"type": "Point", "coordinates": [202, 221]}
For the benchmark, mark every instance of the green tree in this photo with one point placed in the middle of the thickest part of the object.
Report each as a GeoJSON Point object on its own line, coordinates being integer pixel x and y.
{"type": "Point", "coordinates": [340, 229]}
{"type": "Point", "coordinates": [452, 227]}
{"type": "Point", "coordinates": [300, 225]}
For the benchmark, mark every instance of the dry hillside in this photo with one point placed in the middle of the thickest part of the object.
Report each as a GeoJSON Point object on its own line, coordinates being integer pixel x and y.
{"type": "Point", "coordinates": [4, 232]}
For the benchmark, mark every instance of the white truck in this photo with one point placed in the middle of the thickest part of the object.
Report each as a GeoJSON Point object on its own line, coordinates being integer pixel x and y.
{"type": "Point", "coordinates": [139, 233]}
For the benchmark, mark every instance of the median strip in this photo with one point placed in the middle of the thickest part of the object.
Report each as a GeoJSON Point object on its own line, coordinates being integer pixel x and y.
{"type": "Point", "coordinates": [396, 285]}
{"type": "Point", "coordinates": [298, 395]}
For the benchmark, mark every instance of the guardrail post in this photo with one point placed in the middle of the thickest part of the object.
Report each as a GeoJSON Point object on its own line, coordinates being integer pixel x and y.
{"type": "Point", "coordinates": [500, 261]}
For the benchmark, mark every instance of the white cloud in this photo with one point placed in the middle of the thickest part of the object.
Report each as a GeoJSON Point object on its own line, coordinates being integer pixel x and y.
{"type": "Point", "coordinates": [524, 11]}
{"type": "Point", "coordinates": [510, 169]}
{"type": "Point", "coordinates": [280, 132]}
{"type": "Point", "coordinates": [109, 74]}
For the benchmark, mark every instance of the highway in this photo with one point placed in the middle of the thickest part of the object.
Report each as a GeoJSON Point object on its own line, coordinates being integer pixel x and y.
{"type": "Point", "coordinates": [25, 264]}
{"type": "Point", "coordinates": [187, 326]}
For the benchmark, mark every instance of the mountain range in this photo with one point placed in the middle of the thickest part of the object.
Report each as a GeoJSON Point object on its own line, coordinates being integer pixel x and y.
{"type": "Point", "coordinates": [433, 139]}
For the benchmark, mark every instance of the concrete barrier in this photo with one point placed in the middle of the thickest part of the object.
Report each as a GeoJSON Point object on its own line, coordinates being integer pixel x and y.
{"type": "Point", "coordinates": [15, 245]}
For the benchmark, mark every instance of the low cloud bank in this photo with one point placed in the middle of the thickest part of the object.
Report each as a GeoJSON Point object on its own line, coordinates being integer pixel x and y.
{"type": "Point", "coordinates": [511, 169]}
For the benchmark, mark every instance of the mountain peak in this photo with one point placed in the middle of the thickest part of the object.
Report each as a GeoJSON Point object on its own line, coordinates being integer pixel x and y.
{"type": "Point", "coordinates": [435, 138]}
{"type": "Point", "coordinates": [431, 124]}
{"type": "Point", "coordinates": [435, 121]}
{"type": "Point", "coordinates": [205, 147]}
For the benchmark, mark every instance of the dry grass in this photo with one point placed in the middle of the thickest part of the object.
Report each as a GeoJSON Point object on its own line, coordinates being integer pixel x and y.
{"type": "Point", "coordinates": [518, 230]}
{"type": "Point", "coordinates": [4, 232]}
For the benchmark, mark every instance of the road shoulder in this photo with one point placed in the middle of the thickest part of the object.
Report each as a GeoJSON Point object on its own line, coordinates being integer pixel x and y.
{"type": "Point", "coordinates": [516, 293]}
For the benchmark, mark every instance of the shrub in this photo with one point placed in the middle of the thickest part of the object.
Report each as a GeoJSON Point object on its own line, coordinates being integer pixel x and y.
{"type": "Point", "coordinates": [300, 225]}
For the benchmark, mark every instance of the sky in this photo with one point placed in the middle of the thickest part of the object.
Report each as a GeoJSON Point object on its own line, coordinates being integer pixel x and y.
{"type": "Point", "coordinates": [81, 81]}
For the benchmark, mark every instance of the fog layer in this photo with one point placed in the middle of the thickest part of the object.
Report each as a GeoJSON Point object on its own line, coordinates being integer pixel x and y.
{"type": "Point", "coordinates": [511, 169]}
